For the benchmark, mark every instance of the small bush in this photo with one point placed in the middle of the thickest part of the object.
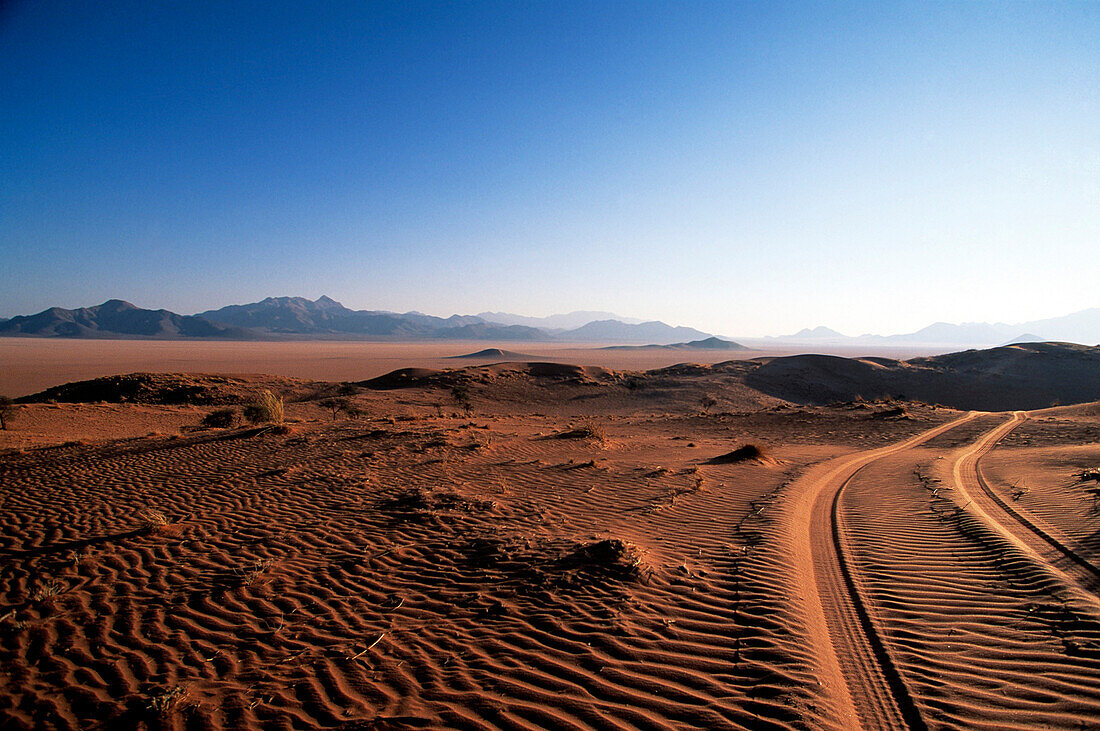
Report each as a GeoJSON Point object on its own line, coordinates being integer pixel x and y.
{"type": "Point", "coordinates": [461, 394]}
{"type": "Point", "coordinates": [336, 405]}
{"type": "Point", "coordinates": [267, 409]}
{"type": "Point", "coordinates": [220, 419]}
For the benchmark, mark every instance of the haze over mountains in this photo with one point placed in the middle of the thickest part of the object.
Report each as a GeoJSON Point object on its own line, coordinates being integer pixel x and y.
{"type": "Point", "coordinates": [278, 318]}
{"type": "Point", "coordinates": [1078, 327]}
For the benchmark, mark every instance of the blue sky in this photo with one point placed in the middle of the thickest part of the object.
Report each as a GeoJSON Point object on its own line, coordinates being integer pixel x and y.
{"type": "Point", "coordinates": [744, 168]}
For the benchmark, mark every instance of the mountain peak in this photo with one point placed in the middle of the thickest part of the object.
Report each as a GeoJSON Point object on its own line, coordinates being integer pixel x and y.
{"type": "Point", "coordinates": [116, 304]}
{"type": "Point", "coordinates": [818, 332]}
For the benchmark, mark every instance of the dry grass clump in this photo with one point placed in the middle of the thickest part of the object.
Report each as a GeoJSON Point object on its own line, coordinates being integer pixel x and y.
{"type": "Point", "coordinates": [268, 408]}
{"type": "Point", "coordinates": [896, 412]}
{"type": "Point", "coordinates": [421, 500]}
{"type": "Point", "coordinates": [587, 429]}
{"type": "Point", "coordinates": [254, 573]}
{"type": "Point", "coordinates": [744, 453]}
{"type": "Point", "coordinates": [165, 701]}
{"type": "Point", "coordinates": [153, 521]}
{"type": "Point", "coordinates": [610, 557]}
{"type": "Point", "coordinates": [49, 590]}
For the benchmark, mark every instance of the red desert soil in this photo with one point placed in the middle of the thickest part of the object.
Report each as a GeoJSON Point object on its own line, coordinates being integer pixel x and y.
{"type": "Point", "coordinates": [567, 554]}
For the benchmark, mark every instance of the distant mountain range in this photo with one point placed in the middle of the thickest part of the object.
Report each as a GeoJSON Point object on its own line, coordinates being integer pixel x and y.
{"type": "Point", "coordinates": [1079, 327]}
{"type": "Point", "coordinates": [115, 319]}
{"type": "Point", "coordinates": [277, 318]}
{"type": "Point", "coordinates": [553, 323]}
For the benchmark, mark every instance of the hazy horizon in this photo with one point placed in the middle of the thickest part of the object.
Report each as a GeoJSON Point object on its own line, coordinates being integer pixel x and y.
{"type": "Point", "coordinates": [743, 169]}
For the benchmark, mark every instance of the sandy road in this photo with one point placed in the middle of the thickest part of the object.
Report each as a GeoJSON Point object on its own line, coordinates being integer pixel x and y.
{"type": "Point", "coordinates": [855, 665]}
{"type": "Point", "coordinates": [1035, 541]}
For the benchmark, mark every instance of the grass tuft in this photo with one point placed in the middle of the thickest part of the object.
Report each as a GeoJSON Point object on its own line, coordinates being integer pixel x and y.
{"type": "Point", "coordinates": [268, 408]}
{"type": "Point", "coordinates": [167, 700]}
{"type": "Point", "coordinates": [153, 521]}
{"type": "Point", "coordinates": [49, 590]}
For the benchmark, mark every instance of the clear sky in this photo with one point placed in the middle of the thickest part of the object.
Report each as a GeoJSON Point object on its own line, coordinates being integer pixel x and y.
{"type": "Point", "coordinates": [746, 168]}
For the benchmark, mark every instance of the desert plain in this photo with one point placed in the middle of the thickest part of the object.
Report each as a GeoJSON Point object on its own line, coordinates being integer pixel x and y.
{"type": "Point", "coordinates": [612, 540]}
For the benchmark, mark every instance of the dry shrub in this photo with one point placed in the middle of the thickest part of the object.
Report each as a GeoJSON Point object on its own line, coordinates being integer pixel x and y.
{"type": "Point", "coordinates": [268, 408]}
{"type": "Point", "coordinates": [744, 453]}
{"type": "Point", "coordinates": [220, 418]}
{"type": "Point", "coordinates": [153, 521]}
{"type": "Point", "coordinates": [165, 701]}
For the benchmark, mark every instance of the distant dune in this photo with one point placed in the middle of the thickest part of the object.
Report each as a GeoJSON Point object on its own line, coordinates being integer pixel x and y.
{"type": "Point", "coordinates": [493, 354]}
{"type": "Point", "coordinates": [711, 343]}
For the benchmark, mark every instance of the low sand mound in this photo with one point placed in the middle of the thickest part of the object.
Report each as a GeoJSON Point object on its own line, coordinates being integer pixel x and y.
{"type": "Point", "coordinates": [892, 412]}
{"type": "Point", "coordinates": [610, 557]}
{"type": "Point", "coordinates": [745, 453]}
{"type": "Point", "coordinates": [405, 378]}
{"type": "Point", "coordinates": [492, 354]}
{"type": "Point", "coordinates": [172, 388]}
{"type": "Point", "coordinates": [587, 430]}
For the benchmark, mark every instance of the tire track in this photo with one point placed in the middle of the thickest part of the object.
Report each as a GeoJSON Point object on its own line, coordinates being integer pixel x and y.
{"type": "Point", "coordinates": [910, 714]}
{"type": "Point", "coordinates": [855, 663]}
{"type": "Point", "coordinates": [1089, 572]}
{"type": "Point", "coordinates": [984, 632]}
{"type": "Point", "coordinates": [1036, 543]}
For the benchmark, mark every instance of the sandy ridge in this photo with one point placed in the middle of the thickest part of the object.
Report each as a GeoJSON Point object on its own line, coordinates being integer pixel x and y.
{"type": "Point", "coordinates": [865, 695]}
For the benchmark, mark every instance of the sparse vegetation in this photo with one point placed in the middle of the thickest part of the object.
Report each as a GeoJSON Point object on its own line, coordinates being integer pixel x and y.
{"type": "Point", "coordinates": [610, 557]}
{"type": "Point", "coordinates": [461, 394]}
{"type": "Point", "coordinates": [220, 418]}
{"type": "Point", "coordinates": [166, 700]}
{"type": "Point", "coordinates": [254, 573]}
{"type": "Point", "coordinates": [269, 408]}
{"type": "Point", "coordinates": [336, 405]}
{"type": "Point", "coordinates": [587, 429]}
{"type": "Point", "coordinates": [744, 453]}
{"type": "Point", "coordinates": [49, 590]}
{"type": "Point", "coordinates": [153, 521]}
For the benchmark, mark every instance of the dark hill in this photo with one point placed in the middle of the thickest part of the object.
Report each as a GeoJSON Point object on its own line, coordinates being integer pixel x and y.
{"type": "Point", "coordinates": [172, 388]}
{"type": "Point", "coordinates": [711, 343]}
{"type": "Point", "coordinates": [610, 331]}
{"type": "Point", "coordinates": [1029, 376]}
{"type": "Point", "coordinates": [293, 316]}
{"type": "Point", "coordinates": [116, 318]}
{"type": "Point", "coordinates": [492, 354]}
